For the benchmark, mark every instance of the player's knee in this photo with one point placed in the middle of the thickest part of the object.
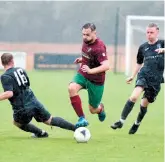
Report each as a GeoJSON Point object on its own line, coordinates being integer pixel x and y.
{"type": "Point", "coordinates": [72, 89]}
{"type": "Point", "coordinates": [48, 122]}
{"type": "Point", "coordinates": [145, 102]}
{"type": "Point", "coordinates": [133, 98]}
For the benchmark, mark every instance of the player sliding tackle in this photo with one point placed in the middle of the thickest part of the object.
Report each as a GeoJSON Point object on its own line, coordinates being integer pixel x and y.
{"type": "Point", "coordinates": [25, 105]}
{"type": "Point", "coordinates": [149, 70]}
{"type": "Point", "coordinates": [90, 76]}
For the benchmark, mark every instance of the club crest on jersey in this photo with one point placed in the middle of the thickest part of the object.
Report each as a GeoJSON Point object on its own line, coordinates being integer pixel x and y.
{"type": "Point", "coordinates": [85, 55]}
{"type": "Point", "coordinates": [103, 54]}
{"type": "Point", "coordinates": [146, 49]}
{"type": "Point", "coordinates": [89, 49]}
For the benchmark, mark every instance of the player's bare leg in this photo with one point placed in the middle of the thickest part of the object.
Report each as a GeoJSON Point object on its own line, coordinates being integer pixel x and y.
{"type": "Point", "coordinates": [128, 107]}
{"type": "Point", "coordinates": [100, 111]}
{"type": "Point", "coordinates": [75, 99]}
{"type": "Point", "coordinates": [143, 110]}
{"type": "Point", "coordinates": [37, 132]}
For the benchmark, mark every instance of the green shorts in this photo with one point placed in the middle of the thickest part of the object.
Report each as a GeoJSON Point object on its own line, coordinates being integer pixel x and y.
{"type": "Point", "coordinates": [95, 92]}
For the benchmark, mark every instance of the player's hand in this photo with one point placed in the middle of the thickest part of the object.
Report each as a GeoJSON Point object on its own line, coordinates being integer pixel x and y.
{"type": "Point", "coordinates": [160, 50]}
{"type": "Point", "coordinates": [129, 80]}
{"type": "Point", "coordinates": [86, 69]}
{"type": "Point", "coordinates": [78, 60]}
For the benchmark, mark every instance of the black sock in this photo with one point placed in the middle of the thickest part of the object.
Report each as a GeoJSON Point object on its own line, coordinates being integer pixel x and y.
{"type": "Point", "coordinates": [127, 109]}
{"type": "Point", "coordinates": [31, 128]}
{"type": "Point", "coordinates": [60, 122]}
{"type": "Point", "coordinates": [143, 111]}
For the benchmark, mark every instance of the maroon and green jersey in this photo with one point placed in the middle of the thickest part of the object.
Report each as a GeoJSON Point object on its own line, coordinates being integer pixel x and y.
{"type": "Point", "coordinates": [92, 56]}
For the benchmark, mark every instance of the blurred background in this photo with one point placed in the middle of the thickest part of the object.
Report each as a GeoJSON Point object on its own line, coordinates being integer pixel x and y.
{"type": "Point", "coordinates": [47, 34]}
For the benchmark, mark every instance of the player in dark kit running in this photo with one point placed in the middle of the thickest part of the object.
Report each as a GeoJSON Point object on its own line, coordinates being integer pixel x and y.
{"type": "Point", "coordinates": [150, 62]}
{"type": "Point", "coordinates": [25, 105]}
{"type": "Point", "coordinates": [90, 76]}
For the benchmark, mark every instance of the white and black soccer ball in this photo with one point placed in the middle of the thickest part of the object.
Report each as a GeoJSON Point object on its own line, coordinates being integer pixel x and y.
{"type": "Point", "coordinates": [82, 135]}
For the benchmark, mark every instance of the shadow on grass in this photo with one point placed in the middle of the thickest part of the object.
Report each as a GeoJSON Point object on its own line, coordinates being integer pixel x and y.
{"type": "Point", "coordinates": [29, 138]}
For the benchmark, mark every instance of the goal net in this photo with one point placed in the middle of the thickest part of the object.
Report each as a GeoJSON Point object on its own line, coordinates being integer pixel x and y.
{"type": "Point", "coordinates": [135, 36]}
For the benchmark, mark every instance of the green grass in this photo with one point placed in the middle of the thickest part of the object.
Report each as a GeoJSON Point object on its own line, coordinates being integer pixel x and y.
{"type": "Point", "coordinates": [106, 145]}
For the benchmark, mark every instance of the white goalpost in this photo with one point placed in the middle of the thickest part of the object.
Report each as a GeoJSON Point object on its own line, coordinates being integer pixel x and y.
{"type": "Point", "coordinates": [136, 25]}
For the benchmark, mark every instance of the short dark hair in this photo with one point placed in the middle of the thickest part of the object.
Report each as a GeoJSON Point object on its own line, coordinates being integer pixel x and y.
{"type": "Point", "coordinates": [152, 25]}
{"type": "Point", "coordinates": [89, 25]}
{"type": "Point", "coordinates": [6, 58]}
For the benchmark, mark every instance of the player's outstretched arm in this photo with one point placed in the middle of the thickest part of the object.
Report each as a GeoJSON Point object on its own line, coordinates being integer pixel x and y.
{"type": "Point", "coordinates": [7, 86]}
{"type": "Point", "coordinates": [6, 95]}
{"type": "Point", "coordinates": [160, 50]}
{"type": "Point", "coordinates": [102, 68]}
{"type": "Point", "coordinates": [137, 68]}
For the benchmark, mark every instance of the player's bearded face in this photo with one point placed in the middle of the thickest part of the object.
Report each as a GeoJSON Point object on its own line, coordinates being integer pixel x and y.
{"type": "Point", "coordinates": [152, 33]}
{"type": "Point", "coordinates": [88, 35]}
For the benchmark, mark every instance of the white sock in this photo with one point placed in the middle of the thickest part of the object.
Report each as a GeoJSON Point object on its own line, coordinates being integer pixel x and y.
{"type": "Point", "coordinates": [43, 132]}
{"type": "Point", "coordinates": [122, 120]}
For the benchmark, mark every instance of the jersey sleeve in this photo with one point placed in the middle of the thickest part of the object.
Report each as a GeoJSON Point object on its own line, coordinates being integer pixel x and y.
{"type": "Point", "coordinates": [101, 54]}
{"type": "Point", "coordinates": [140, 56]}
{"type": "Point", "coordinates": [7, 83]}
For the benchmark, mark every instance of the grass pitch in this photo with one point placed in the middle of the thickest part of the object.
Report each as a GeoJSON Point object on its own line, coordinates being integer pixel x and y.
{"type": "Point", "coordinates": [106, 145]}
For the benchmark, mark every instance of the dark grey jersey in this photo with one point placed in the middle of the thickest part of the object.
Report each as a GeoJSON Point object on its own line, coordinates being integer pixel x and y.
{"type": "Point", "coordinates": [16, 80]}
{"type": "Point", "coordinates": [153, 63]}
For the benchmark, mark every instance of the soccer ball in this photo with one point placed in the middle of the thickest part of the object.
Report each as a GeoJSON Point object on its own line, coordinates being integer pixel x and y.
{"type": "Point", "coordinates": [82, 135]}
